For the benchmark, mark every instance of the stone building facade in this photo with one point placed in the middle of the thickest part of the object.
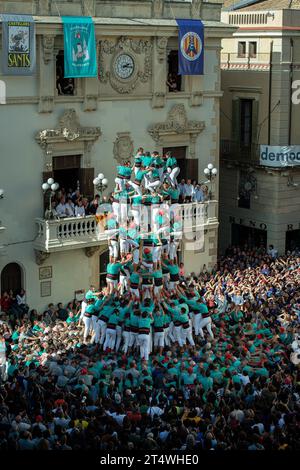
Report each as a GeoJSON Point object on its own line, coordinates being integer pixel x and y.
{"type": "Point", "coordinates": [73, 137]}
{"type": "Point", "coordinates": [260, 66]}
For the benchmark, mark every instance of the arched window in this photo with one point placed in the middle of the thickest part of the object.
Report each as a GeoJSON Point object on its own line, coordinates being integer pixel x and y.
{"type": "Point", "coordinates": [12, 278]}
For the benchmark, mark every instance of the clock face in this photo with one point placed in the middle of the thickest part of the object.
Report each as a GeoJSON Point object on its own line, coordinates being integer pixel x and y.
{"type": "Point", "coordinates": [124, 66]}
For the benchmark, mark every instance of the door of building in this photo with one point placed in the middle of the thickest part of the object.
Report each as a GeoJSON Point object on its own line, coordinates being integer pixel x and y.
{"type": "Point", "coordinates": [11, 278]}
{"type": "Point", "coordinates": [66, 171]}
{"type": "Point", "coordinates": [250, 236]}
{"type": "Point", "coordinates": [292, 240]}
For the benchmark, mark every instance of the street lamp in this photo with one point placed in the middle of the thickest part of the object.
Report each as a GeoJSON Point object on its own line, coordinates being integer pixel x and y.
{"type": "Point", "coordinates": [101, 184]}
{"type": "Point", "coordinates": [211, 172]}
{"type": "Point", "coordinates": [50, 186]}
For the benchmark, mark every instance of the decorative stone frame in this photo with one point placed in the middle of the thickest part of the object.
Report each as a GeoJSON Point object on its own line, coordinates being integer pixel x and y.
{"type": "Point", "coordinates": [177, 130]}
{"type": "Point", "coordinates": [68, 138]}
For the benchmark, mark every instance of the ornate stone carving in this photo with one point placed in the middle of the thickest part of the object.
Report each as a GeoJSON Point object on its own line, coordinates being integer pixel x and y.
{"type": "Point", "coordinates": [123, 147]}
{"type": "Point", "coordinates": [88, 7]}
{"type": "Point", "coordinates": [43, 7]}
{"type": "Point", "coordinates": [158, 8]}
{"type": "Point", "coordinates": [196, 9]}
{"type": "Point", "coordinates": [176, 123]}
{"type": "Point", "coordinates": [133, 46]}
{"type": "Point", "coordinates": [91, 103]}
{"type": "Point", "coordinates": [158, 100]}
{"type": "Point", "coordinates": [41, 257]}
{"type": "Point", "coordinates": [69, 130]}
{"type": "Point", "coordinates": [48, 48]}
{"type": "Point", "coordinates": [161, 44]}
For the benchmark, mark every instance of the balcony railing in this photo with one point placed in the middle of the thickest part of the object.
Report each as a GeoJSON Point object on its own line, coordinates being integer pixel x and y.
{"type": "Point", "coordinates": [249, 60]}
{"type": "Point", "coordinates": [83, 232]}
{"type": "Point", "coordinates": [230, 150]}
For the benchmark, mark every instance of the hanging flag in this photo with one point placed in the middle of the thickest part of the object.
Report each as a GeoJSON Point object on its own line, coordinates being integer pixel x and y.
{"type": "Point", "coordinates": [191, 47]}
{"type": "Point", "coordinates": [18, 45]}
{"type": "Point", "coordinates": [80, 47]}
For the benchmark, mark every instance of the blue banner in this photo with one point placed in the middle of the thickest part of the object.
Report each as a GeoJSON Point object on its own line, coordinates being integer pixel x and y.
{"type": "Point", "coordinates": [80, 47]}
{"type": "Point", "coordinates": [191, 47]}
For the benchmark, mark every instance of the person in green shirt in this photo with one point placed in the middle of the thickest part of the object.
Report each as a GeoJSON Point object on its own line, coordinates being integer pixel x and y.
{"type": "Point", "coordinates": [111, 331]}
{"type": "Point", "coordinates": [124, 174]}
{"type": "Point", "coordinates": [172, 169]}
{"type": "Point", "coordinates": [158, 326]}
{"type": "Point", "coordinates": [113, 271]}
{"type": "Point", "coordinates": [145, 322]}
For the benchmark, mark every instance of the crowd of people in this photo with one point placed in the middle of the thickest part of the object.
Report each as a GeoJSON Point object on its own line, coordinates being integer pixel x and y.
{"type": "Point", "coordinates": [237, 387]}
{"type": "Point", "coordinates": [158, 360]}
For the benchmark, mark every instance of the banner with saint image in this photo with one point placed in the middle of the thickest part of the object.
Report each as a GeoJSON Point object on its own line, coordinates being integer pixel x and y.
{"type": "Point", "coordinates": [18, 45]}
{"type": "Point", "coordinates": [79, 47]}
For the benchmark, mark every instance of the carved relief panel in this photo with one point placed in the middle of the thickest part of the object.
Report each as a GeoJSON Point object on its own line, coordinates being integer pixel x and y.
{"type": "Point", "coordinates": [125, 66]}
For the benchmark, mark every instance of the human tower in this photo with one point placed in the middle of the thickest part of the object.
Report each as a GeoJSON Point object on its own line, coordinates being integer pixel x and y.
{"type": "Point", "coordinates": [144, 230]}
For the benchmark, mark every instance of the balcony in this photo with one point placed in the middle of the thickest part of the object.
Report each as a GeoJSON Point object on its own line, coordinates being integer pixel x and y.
{"type": "Point", "coordinates": [230, 150]}
{"type": "Point", "coordinates": [74, 232]}
{"type": "Point", "coordinates": [248, 61]}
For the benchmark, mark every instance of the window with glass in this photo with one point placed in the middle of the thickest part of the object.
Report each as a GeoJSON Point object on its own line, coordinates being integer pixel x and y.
{"type": "Point", "coordinates": [241, 49]}
{"type": "Point", "coordinates": [252, 49]}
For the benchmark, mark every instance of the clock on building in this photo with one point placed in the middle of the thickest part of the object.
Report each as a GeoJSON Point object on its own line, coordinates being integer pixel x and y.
{"type": "Point", "coordinates": [124, 66]}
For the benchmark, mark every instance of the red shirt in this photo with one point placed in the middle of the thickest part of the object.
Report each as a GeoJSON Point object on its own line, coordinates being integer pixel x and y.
{"type": "Point", "coordinates": [5, 303]}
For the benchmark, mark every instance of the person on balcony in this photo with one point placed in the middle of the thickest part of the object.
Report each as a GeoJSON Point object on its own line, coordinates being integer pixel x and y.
{"type": "Point", "coordinates": [61, 208]}
{"type": "Point", "coordinates": [70, 207]}
{"type": "Point", "coordinates": [79, 209]}
{"type": "Point", "coordinates": [198, 195]}
{"type": "Point", "coordinates": [189, 191]}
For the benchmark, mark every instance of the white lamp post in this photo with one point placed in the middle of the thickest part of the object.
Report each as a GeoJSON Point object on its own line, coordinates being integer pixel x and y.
{"type": "Point", "coordinates": [211, 172]}
{"type": "Point", "coordinates": [50, 186]}
{"type": "Point", "coordinates": [101, 184]}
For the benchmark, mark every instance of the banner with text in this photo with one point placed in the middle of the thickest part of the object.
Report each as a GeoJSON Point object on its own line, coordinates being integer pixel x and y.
{"type": "Point", "coordinates": [18, 45]}
{"type": "Point", "coordinates": [80, 47]}
{"type": "Point", "coordinates": [278, 156]}
{"type": "Point", "coordinates": [191, 47]}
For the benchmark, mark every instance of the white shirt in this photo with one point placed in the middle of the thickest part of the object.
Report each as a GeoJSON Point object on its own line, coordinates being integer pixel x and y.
{"type": "Point", "coordinates": [79, 211]}
{"type": "Point", "coordinates": [70, 210]}
{"type": "Point", "coordinates": [61, 209]}
{"type": "Point", "coordinates": [154, 410]}
{"type": "Point", "coordinates": [21, 299]}
{"type": "Point", "coordinates": [189, 189]}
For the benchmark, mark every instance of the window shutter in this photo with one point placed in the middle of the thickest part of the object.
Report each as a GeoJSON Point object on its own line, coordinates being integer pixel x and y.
{"type": "Point", "coordinates": [236, 121]}
{"type": "Point", "coordinates": [86, 176]}
{"type": "Point", "coordinates": [254, 146]}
